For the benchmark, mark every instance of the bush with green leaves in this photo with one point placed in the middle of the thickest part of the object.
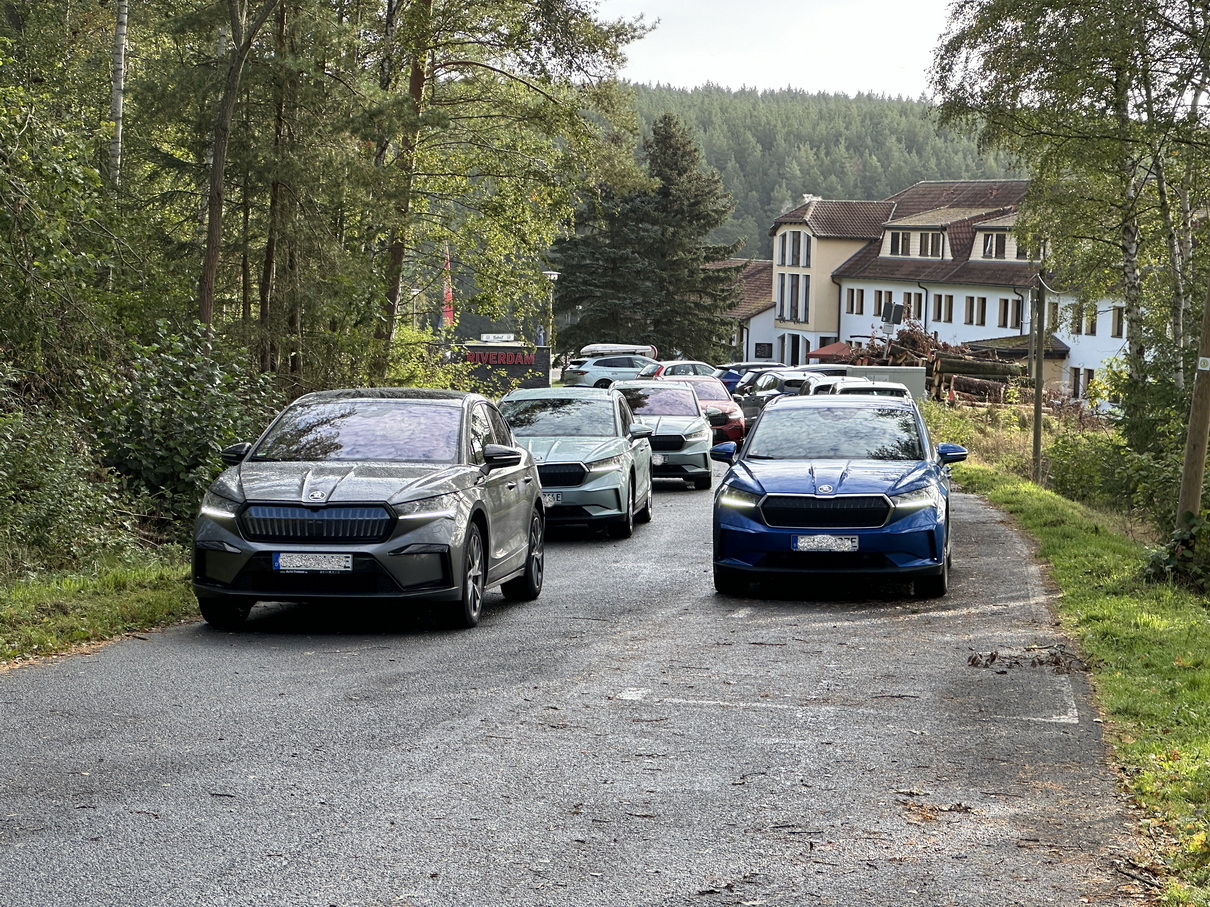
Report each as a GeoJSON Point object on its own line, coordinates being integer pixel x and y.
{"type": "Point", "coordinates": [62, 508]}
{"type": "Point", "coordinates": [162, 417]}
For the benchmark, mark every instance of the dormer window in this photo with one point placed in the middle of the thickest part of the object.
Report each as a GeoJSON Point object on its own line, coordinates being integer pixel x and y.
{"type": "Point", "coordinates": [901, 243]}
{"type": "Point", "coordinates": [994, 245]}
{"type": "Point", "coordinates": [930, 245]}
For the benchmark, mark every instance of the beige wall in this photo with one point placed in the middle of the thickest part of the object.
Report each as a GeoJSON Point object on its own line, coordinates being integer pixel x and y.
{"type": "Point", "coordinates": [826, 256]}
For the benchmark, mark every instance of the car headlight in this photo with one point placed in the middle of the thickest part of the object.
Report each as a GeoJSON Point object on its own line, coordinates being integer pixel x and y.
{"type": "Point", "coordinates": [218, 507]}
{"type": "Point", "coordinates": [434, 508]}
{"type": "Point", "coordinates": [609, 464]}
{"type": "Point", "coordinates": [921, 498]}
{"type": "Point", "coordinates": [702, 434]}
{"type": "Point", "coordinates": [730, 496]}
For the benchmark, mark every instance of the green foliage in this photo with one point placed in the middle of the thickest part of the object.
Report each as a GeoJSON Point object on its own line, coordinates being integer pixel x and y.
{"type": "Point", "coordinates": [162, 417]}
{"type": "Point", "coordinates": [1185, 557]}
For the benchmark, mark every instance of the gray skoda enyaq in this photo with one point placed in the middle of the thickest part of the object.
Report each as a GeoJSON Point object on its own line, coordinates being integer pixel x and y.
{"type": "Point", "coordinates": [384, 493]}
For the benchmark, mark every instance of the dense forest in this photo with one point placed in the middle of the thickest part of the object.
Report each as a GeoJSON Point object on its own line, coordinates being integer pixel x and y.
{"type": "Point", "coordinates": [773, 147]}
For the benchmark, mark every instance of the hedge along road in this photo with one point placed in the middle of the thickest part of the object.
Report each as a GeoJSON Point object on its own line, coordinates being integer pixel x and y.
{"type": "Point", "coordinates": [631, 738]}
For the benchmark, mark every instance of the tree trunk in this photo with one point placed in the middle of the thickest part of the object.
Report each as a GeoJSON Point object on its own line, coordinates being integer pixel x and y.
{"type": "Point", "coordinates": [243, 34]}
{"type": "Point", "coordinates": [117, 96]}
{"type": "Point", "coordinates": [1189, 502]}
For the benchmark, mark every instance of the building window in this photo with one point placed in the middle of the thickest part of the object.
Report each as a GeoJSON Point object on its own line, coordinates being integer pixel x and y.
{"type": "Point", "coordinates": [860, 303]}
{"type": "Point", "coordinates": [1091, 327]}
{"type": "Point", "coordinates": [855, 301]}
{"type": "Point", "coordinates": [1003, 322]}
{"type": "Point", "coordinates": [1023, 251]}
{"type": "Point", "coordinates": [913, 305]}
{"type": "Point", "coordinates": [947, 315]}
{"type": "Point", "coordinates": [1075, 383]}
{"type": "Point", "coordinates": [930, 245]}
{"type": "Point", "coordinates": [794, 280]}
{"type": "Point", "coordinates": [795, 247]}
{"type": "Point", "coordinates": [970, 310]}
{"type": "Point", "coordinates": [1052, 313]}
{"type": "Point", "coordinates": [994, 245]}
{"type": "Point", "coordinates": [805, 260]}
{"type": "Point", "coordinates": [1077, 319]}
{"type": "Point", "coordinates": [1118, 327]}
{"type": "Point", "coordinates": [936, 307]}
{"type": "Point", "coordinates": [806, 297]}
{"type": "Point", "coordinates": [1017, 313]}
{"type": "Point", "coordinates": [781, 247]}
{"type": "Point", "coordinates": [882, 302]}
{"type": "Point", "coordinates": [980, 310]}
{"type": "Point", "coordinates": [901, 243]}
{"type": "Point", "coordinates": [781, 296]}
{"type": "Point", "coordinates": [1088, 376]}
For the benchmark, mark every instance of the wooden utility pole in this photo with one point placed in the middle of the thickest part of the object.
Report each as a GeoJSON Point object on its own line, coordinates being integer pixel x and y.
{"type": "Point", "coordinates": [1189, 504]}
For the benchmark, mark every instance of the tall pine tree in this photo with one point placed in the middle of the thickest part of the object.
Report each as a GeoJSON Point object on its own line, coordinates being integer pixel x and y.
{"type": "Point", "coordinates": [640, 269]}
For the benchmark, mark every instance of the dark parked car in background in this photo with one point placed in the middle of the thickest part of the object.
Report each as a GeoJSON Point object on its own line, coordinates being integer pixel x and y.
{"type": "Point", "coordinates": [835, 484]}
{"type": "Point", "coordinates": [593, 455]}
{"type": "Point", "coordinates": [730, 372]}
{"type": "Point", "coordinates": [386, 493]}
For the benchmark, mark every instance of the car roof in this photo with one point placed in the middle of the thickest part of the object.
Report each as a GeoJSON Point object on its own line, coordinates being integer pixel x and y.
{"type": "Point", "coordinates": [650, 383]}
{"type": "Point", "coordinates": [539, 393]}
{"type": "Point", "coordinates": [849, 401]}
{"type": "Point", "coordinates": [433, 394]}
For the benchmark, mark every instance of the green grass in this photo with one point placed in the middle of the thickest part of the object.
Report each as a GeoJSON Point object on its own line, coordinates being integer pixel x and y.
{"type": "Point", "coordinates": [51, 615]}
{"type": "Point", "coordinates": [1149, 653]}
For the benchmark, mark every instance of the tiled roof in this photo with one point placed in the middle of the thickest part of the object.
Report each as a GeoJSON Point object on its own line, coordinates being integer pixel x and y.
{"type": "Point", "coordinates": [755, 287]}
{"type": "Point", "coordinates": [868, 265]}
{"type": "Point", "coordinates": [1017, 346]}
{"type": "Point", "coordinates": [839, 219]}
{"type": "Point", "coordinates": [943, 217]}
{"type": "Point", "coordinates": [984, 194]}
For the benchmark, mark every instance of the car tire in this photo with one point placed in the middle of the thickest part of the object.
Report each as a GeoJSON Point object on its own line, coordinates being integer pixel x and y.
{"type": "Point", "coordinates": [703, 482]}
{"type": "Point", "coordinates": [729, 581]}
{"type": "Point", "coordinates": [645, 515]}
{"type": "Point", "coordinates": [469, 607]}
{"type": "Point", "coordinates": [604, 382]}
{"type": "Point", "coordinates": [623, 526]}
{"type": "Point", "coordinates": [528, 585]}
{"type": "Point", "coordinates": [224, 612]}
{"type": "Point", "coordinates": [936, 586]}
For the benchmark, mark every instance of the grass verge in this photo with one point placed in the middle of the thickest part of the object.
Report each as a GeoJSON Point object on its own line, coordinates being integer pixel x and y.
{"type": "Point", "coordinates": [1149, 652]}
{"type": "Point", "coordinates": [49, 615]}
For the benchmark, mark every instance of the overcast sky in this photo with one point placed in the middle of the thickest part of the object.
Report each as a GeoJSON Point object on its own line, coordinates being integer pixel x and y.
{"type": "Point", "coordinates": [838, 46]}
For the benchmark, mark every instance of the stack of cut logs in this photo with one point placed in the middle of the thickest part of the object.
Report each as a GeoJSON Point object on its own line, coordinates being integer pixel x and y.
{"type": "Point", "coordinates": [952, 372]}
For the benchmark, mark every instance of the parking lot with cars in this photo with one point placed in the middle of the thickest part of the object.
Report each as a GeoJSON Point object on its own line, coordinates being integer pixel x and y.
{"type": "Point", "coordinates": [630, 737]}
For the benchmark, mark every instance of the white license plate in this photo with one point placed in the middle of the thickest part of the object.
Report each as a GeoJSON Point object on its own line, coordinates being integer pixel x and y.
{"type": "Point", "coordinates": [552, 497]}
{"type": "Point", "coordinates": [825, 543]}
{"type": "Point", "coordinates": [313, 563]}
{"type": "Point", "coordinates": [657, 459]}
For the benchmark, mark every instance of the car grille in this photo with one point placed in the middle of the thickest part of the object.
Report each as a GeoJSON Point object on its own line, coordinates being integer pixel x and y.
{"type": "Point", "coordinates": [856, 512]}
{"type": "Point", "coordinates": [561, 475]}
{"type": "Point", "coordinates": [667, 442]}
{"type": "Point", "coordinates": [295, 523]}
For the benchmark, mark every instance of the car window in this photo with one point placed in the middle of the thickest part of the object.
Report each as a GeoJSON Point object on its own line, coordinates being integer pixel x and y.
{"type": "Point", "coordinates": [766, 381]}
{"type": "Point", "coordinates": [614, 362]}
{"type": "Point", "coordinates": [703, 370]}
{"type": "Point", "coordinates": [560, 417]}
{"type": "Point", "coordinates": [481, 433]}
{"type": "Point", "coordinates": [710, 390]}
{"type": "Point", "coordinates": [840, 433]}
{"type": "Point", "coordinates": [625, 414]}
{"type": "Point", "coordinates": [661, 401]}
{"type": "Point", "coordinates": [364, 430]}
{"type": "Point", "coordinates": [501, 433]}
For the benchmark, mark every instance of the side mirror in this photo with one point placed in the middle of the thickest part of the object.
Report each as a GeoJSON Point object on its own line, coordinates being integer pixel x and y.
{"type": "Point", "coordinates": [638, 430]}
{"type": "Point", "coordinates": [724, 453]}
{"type": "Point", "coordinates": [716, 417]}
{"type": "Point", "coordinates": [951, 453]}
{"type": "Point", "coordinates": [235, 454]}
{"type": "Point", "coordinates": [496, 456]}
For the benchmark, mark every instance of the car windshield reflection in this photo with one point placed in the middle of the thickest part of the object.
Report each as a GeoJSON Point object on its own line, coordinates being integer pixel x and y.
{"type": "Point", "coordinates": [661, 401]}
{"type": "Point", "coordinates": [843, 433]}
{"type": "Point", "coordinates": [364, 430]}
{"type": "Point", "coordinates": [560, 417]}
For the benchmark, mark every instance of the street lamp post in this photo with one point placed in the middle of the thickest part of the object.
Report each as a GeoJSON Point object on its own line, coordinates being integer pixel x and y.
{"type": "Point", "coordinates": [551, 276]}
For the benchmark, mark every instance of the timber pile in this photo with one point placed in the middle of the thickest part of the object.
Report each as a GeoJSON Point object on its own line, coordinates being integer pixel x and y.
{"type": "Point", "coordinates": [971, 376]}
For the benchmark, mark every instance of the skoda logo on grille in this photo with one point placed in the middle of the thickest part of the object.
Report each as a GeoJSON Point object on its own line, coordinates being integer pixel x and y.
{"type": "Point", "coordinates": [826, 489]}
{"type": "Point", "coordinates": [316, 496]}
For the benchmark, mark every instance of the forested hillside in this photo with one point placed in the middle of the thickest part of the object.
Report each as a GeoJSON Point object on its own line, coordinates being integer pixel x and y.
{"type": "Point", "coordinates": [772, 147]}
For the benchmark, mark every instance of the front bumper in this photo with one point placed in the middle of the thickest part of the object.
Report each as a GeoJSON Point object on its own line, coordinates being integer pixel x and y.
{"type": "Point", "coordinates": [601, 496]}
{"type": "Point", "coordinates": [911, 546]}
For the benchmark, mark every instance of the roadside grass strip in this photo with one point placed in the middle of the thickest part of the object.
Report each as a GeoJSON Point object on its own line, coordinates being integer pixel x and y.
{"type": "Point", "coordinates": [1148, 649]}
{"type": "Point", "coordinates": [51, 615]}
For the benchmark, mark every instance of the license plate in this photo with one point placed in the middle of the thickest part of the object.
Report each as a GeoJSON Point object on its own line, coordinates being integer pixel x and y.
{"type": "Point", "coordinates": [657, 459]}
{"type": "Point", "coordinates": [313, 563]}
{"type": "Point", "coordinates": [825, 543]}
{"type": "Point", "coordinates": [552, 497]}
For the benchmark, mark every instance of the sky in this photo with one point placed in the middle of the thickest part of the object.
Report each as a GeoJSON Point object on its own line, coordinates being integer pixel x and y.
{"type": "Point", "coordinates": [837, 46]}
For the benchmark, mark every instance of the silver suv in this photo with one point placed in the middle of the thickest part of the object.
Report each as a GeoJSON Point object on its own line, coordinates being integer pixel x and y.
{"type": "Point", "coordinates": [602, 371]}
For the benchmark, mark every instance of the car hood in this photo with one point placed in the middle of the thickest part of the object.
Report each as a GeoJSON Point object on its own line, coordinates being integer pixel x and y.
{"type": "Point", "coordinates": [673, 425]}
{"type": "Point", "coordinates": [316, 482]}
{"type": "Point", "coordinates": [844, 476]}
{"type": "Point", "coordinates": [572, 450]}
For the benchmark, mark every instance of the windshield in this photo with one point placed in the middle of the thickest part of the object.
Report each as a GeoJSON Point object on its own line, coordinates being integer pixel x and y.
{"type": "Point", "coordinates": [842, 433]}
{"type": "Point", "coordinates": [661, 401]}
{"type": "Point", "coordinates": [364, 430]}
{"type": "Point", "coordinates": [560, 417]}
{"type": "Point", "coordinates": [711, 390]}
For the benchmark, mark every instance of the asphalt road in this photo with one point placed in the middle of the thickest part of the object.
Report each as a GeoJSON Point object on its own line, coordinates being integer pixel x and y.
{"type": "Point", "coordinates": [631, 738]}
